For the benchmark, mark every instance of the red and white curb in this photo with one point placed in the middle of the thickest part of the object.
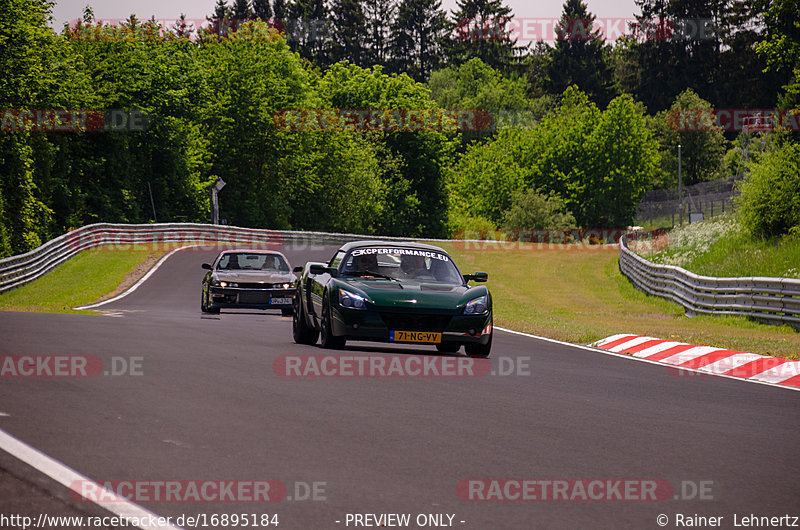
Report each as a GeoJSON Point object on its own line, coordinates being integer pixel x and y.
{"type": "Point", "coordinates": [707, 359]}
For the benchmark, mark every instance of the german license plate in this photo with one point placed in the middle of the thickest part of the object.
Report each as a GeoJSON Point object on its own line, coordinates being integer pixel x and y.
{"type": "Point", "coordinates": [280, 301]}
{"type": "Point", "coordinates": [429, 337]}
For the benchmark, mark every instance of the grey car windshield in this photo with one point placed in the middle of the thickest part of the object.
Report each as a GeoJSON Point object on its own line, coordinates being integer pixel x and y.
{"type": "Point", "coordinates": [402, 264]}
{"type": "Point", "coordinates": [252, 261]}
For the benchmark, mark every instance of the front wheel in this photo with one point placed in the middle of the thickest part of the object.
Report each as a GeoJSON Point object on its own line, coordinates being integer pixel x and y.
{"type": "Point", "coordinates": [302, 332]}
{"type": "Point", "coordinates": [329, 340]}
{"type": "Point", "coordinates": [206, 308]}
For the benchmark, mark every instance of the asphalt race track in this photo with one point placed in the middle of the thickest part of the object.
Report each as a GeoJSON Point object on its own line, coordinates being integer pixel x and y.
{"type": "Point", "coordinates": [208, 405]}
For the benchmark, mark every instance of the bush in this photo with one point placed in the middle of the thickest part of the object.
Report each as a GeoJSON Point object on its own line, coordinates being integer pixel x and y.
{"type": "Point", "coordinates": [769, 204]}
{"type": "Point", "coordinates": [534, 210]}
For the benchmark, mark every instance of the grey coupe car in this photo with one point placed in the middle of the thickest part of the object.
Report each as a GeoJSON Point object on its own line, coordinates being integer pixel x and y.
{"type": "Point", "coordinates": [248, 279]}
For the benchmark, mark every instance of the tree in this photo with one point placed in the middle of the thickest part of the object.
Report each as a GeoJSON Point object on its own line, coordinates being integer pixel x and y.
{"type": "Point", "coordinates": [690, 122]}
{"type": "Point", "coordinates": [599, 163]}
{"type": "Point", "coordinates": [480, 29]}
{"type": "Point", "coordinates": [349, 27]}
{"type": "Point", "coordinates": [242, 11]}
{"type": "Point", "coordinates": [417, 35]}
{"type": "Point", "coordinates": [279, 9]}
{"type": "Point", "coordinates": [769, 203]}
{"type": "Point", "coordinates": [220, 20]}
{"type": "Point", "coordinates": [476, 85]}
{"type": "Point", "coordinates": [780, 47]}
{"type": "Point", "coordinates": [579, 57]}
{"type": "Point", "coordinates": [182, 29]}
{"type": "Point", "coordinates": [379, 15]}
{"type": "Point", "coordinates": [413, 163]}
{"type": "Point", "coordinates": [262, 10]}
{"type": "Point", "coordinates": [308, 31]}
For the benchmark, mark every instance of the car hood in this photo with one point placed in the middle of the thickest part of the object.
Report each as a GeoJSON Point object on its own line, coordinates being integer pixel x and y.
{"type": "Point", "coordinates": [413, 295]}
{"type": "Point", "coordinates": [255, 276]}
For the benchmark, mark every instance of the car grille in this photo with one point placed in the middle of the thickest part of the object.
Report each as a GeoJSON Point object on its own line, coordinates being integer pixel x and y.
{"type": "Point", "coordinates": [245, 285]}
{"type": "Point", "coordinates": [415, 321]}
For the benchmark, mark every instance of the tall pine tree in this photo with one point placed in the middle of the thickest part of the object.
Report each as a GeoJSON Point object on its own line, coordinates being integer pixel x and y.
{"type": "Point", "coordinates": [580, 56]}
{"type": "Point", "coordinates": [308, 30]}
{"type": "Point", "coordinates": [417, 37]}
{"type": "Point", "coordinates": [220, 20]}
{"type": "Point", "coordinates": [349, 27]}
{"type": "Point", "coordinates": [242, 11]}
{"type": "Point", "coordinates": [262, 9]}
{"type": "Point", "coordinates": [379, 16]}
{"type": "Point", "coordinates": [480, 29]}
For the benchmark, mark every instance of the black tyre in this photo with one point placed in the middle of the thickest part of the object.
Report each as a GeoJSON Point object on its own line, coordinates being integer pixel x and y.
{"type": "Point", "coordinates": [448, 347]}
{"type": "Point", "coordinates": [480, 350]}
{"type": "Point", "coordinates": [301, 331]}
{"type": "Point", "coordinates": [207, 308]}
{"type": "Point", "coordinates": [328, 340]}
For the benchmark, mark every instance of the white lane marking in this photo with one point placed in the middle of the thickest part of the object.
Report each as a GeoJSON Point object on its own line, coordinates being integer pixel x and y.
{"type": "Point", "coordinates": [5, 414]}
{"type": "Point", "coordinates": [729, 363]}
{"type": "Point", "coordinates": [71, 479]}
{"type": "Point", "coordinates": [630, 343]}
{"type": "Point", "coordinates": [688, 355]}
{"type": "Point", "coordinates": [137, 284]}
{"type": "Point", "coordinates": [631, 357]}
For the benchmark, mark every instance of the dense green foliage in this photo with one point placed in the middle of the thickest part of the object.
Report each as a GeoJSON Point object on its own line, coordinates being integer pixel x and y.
{"type": "Point", "coordinates": [770, 199]}
{"type": "Point", "coordinates": [599, 162]}
{"type": "Point", "coordinates": [531, 210]}
{"type": "Point", "coordinates": [572, 138]}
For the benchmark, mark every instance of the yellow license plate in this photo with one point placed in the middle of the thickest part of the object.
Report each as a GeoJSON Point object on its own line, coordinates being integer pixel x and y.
{"type": "Point", "coordinates": [429, 337]}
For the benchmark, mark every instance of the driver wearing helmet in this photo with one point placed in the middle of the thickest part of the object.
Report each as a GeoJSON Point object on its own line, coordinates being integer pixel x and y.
{"type": "Point", "coordinates": [365, 263]}
{"type": "Point", "coordinates": [413, 266]}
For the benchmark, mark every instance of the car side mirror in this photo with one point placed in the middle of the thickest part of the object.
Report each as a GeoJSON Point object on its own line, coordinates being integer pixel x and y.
{"type": "Point", "coordinates": [207, 267]}
{"type": "Point", "coordinates": [479, 277]}
{"type": "Point", "coordinates": [322, 269]}
{"type": "Point", "coordinates": [297, 269]}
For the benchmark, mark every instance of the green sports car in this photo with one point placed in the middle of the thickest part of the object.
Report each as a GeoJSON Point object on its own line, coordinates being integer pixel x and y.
{"type": "Point", "coordinates": [393, 292]}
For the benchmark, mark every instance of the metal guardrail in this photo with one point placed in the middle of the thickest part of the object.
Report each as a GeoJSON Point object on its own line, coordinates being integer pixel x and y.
{"type": "Point", "coordinates": [16, 271]}
{"type": "Point", "coordinates": [774, 300]}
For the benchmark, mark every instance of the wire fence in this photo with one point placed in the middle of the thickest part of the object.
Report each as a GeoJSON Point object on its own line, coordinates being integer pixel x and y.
{"type": "Point", "coordinates": [664, 209]}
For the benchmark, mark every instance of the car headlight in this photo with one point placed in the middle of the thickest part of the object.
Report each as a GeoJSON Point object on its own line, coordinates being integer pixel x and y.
{"type": "Point", "coordinates": [287, 285]}
{"type": "Point", "coordinates": [228, 284]}
{"type": "Point", "coordinates": [351, 300]}
{"type": "Point", "coordinates": [476, 306]}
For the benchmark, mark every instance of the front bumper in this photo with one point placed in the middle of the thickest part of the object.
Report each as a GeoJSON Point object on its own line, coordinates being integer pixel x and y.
{"type": "Point", "coordinates": [233, 297]}
{"type": "Point", "coordinates": [376, 325]}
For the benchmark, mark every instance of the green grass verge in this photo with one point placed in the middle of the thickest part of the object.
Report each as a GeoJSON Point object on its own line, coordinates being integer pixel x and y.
{"type": "Point", "coordinates": [81, 280]}
{"type": "Point", "coordinates": [580, 296]}
{"type": "Point", "coordinates": [720, 247]}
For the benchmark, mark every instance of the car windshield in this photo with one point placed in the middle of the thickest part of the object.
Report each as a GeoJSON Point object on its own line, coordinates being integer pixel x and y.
{"type": "Point", "coordinates": [252, 261]}
{"type": "Point", "coordinates": [401, 264]}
